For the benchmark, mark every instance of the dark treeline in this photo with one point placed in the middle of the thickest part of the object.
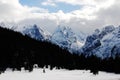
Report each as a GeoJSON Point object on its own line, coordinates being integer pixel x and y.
{"type": "Point", "coordinates": [17, 51]}
{"type": "Point", "coordinates": [95, 64]}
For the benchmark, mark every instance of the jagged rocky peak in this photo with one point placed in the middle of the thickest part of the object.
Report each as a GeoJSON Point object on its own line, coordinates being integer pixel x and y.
{"type": "Point", "coordinates": [106, 30]}
{"type": "Point", "coordinates": [66, 38]}
{"type": "Point", "coordinates": [6, 25]}
{"type": "Point", "coordinates": [2, 24]}
{"type": "Point", "coordinates": [63, 33]}
{"type": "Point", "coordinates": [35, 32]}
{"type": "Point", "coordinates": [97, 31]}
{"type": "Point", "coordinates": [99, 34]}
{"type": "Point", "coordinates": [105, 44]}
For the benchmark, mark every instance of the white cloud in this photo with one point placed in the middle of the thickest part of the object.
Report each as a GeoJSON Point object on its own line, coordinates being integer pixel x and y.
{"type": "Point", "coordinates": [12, 10]}
{"type": "Point", "coordinates": [36, 10]}
{"type": "Point", "coordinates": [94, 3]}
{"type": "Point", "coordinates": [77, 2]}
{"type": "Point", "coordinates": [49, 3]}
{"type": "Point", "coordinates": [93, 14]}
{"type": "Point", "coordinates": [8, 9]}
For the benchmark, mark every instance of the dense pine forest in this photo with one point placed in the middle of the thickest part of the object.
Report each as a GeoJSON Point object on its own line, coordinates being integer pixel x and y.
{"type": "Point", "coordinates": [17, 51]}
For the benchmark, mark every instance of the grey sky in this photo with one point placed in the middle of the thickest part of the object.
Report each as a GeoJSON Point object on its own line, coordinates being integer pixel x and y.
{"type": "Point", "coordinates": [91, 15]}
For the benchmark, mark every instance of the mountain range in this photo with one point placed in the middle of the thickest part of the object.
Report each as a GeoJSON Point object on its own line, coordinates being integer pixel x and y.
{"type": "Point", "coordinates": [102, 43]}
{"type": "Point", "coordinates": [63, 36]}
{"type": "Point", "coordinates": [30, 46]}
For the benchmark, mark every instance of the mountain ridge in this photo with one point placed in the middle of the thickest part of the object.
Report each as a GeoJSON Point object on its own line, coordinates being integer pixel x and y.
{"type": "Point", "coordinates": [20, 51]}
{"type": "Point", "coordinates": [102, 43]}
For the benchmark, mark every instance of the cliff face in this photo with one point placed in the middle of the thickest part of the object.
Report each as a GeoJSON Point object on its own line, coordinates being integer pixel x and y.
{"type": "Point", "coordinates": [103, 43]}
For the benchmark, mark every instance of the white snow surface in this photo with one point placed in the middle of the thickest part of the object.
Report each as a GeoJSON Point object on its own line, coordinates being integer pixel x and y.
{"type": "Point", "coordinates": [62, 74]}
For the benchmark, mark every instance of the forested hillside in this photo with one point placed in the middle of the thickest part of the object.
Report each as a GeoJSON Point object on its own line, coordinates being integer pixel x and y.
{"type": "Point", "coordinates": [17, 51]}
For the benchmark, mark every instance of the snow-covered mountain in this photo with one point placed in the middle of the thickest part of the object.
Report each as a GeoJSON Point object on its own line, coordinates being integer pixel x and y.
{"type": "Point", "coordinates": [63, 36]}
{"type": "Point", "coordinates": [33, 31]}
{"type": "Point", "coordinates": [104, 43]}
{"type": "Point", "coordinates": [66, 38]}
{"type": "Point", "coordinates": [6, 25]}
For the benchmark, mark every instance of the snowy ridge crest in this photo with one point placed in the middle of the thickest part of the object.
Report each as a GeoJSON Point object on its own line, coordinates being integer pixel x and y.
{"type": "Point", "coordinates": [66, 38]}
{"type": "Point", "coordinates": [104, 43]}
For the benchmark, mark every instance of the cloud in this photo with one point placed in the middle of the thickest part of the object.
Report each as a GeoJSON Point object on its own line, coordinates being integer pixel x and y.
{"type": "Point", "coordinates": [93, 3]}
{"type": "Point", "coordinates": [8, 9]}
{"type": "Point", "coordinates": [77, 2]}
{"type": "Point", "coordinates": [48, 3]}
{"type": "Point", "coordinates": [110, 15]}
{"type": "Point", "coordinates": [12, 10]}
{"type": "Point", "coordinates": [93, 14]}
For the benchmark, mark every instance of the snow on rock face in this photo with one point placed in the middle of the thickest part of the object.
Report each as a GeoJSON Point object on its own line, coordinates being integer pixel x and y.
{"type": "Point", "coordinates": [106, 30]}
{"type": "Point", "coordinates": [109, 42]}
{"type": "Point", "coordinates": [115, 50]}
{"type": "Point", "coordinates": [104, 43]}
{"type": "Point", "coordinates": [6, 25]}
{"type": "Point", "coordinates": [63, 36]}
{"type": "Point", "coordinates": [75, 47]}
{"type": "Point", "coordinates": [66, 38]}
{"type": "Point", "coordinates": [35, 32]}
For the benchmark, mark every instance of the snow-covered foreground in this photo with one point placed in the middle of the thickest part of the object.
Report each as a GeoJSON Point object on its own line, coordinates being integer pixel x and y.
{"type": "Point", "coordinates": [38, 74]}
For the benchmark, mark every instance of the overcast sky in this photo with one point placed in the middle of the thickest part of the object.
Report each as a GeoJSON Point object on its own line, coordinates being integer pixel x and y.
{"type": "Point", "coordinates": [80, 15]}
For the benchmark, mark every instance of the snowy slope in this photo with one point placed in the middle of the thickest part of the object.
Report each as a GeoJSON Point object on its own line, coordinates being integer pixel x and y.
{"type": "Point", "coordinates": [34, 31]}
{"type": "Point", "coordinates": [66, 38]}
{"type": "Point", "coordinates": [38, 74]}
{"type": "Point", "coordinates": [104, 43]}
{"type": "Point", "coordinates": [6, 25]}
